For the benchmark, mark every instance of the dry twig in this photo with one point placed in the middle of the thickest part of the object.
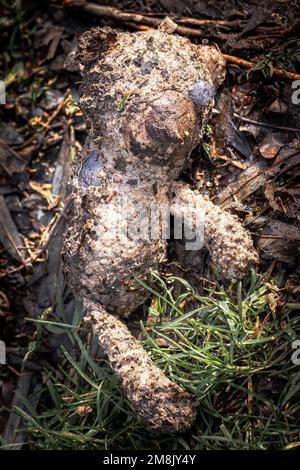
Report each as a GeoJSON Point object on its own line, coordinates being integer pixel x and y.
{"type": "Point", "coordinates": [249, 65]}
{"type": "Point", "coordinates": [145, 22]}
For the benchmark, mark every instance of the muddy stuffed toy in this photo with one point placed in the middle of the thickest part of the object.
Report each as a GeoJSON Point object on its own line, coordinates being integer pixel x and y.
{"type": "Point", "coordinates": [146, 97]}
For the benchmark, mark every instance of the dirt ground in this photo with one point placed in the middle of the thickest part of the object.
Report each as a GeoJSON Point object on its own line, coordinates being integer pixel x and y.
{"type": "Point", "coordinates": [249, 161]}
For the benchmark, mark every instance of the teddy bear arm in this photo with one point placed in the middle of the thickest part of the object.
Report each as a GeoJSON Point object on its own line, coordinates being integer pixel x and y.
{"type": "Point", "coordinates": [228, 242]}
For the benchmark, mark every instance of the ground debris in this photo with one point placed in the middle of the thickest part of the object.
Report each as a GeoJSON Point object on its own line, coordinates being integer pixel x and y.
{"type": "Point", "coordinates": [277, 240]}
{"type": "Point", "coordinates": [40, 128]}
{"type": "Point", "coordinates": [9, 235]}
{"type": "Point", "coordinates": [257, 174]}
{"type": "Point", "coordinates": [11, 161]}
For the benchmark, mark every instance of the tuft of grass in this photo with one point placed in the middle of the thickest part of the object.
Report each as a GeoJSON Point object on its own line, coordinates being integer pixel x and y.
{"type": "Point", "coordinates": [282, 57]}
{"type": "Point", "coordinates": [230, 348]}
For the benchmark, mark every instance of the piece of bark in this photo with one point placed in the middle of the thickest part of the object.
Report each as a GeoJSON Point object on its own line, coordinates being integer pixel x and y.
{"type": "Point", "coordinates": [255, 176]}
{"type": "Point", "coordinates": [9, 235]}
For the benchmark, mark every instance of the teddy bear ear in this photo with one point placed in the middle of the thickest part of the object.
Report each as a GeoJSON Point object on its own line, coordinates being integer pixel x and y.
{"type": "Point", "coordinates": [90, 46]}
{"type": "Point", "coordinates": [216, 63]}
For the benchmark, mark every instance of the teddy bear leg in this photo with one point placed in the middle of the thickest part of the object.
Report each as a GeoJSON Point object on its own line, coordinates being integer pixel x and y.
{"type": "Point", "coordinates": [161, 403]}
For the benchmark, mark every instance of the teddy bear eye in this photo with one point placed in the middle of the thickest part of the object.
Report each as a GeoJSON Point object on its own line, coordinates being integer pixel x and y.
{"type": "Point", "coordinates": [202, 93]}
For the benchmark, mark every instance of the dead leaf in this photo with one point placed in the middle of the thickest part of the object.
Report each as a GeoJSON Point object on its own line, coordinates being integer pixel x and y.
{"type": "Point", "coordinates": [11, 161]}
{"type": "Point", "coordinates": [83, 410]}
